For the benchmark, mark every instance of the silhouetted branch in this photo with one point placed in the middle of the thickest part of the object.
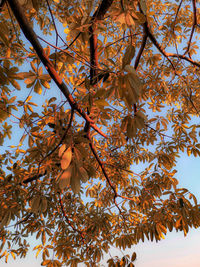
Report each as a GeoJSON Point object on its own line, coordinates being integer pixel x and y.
{"type": "Point", "coordinates": [32, 37]}
{"type": "Point", "coordinates": [144, 40]}
{"type": "Point", "coordinates": [193, 26]}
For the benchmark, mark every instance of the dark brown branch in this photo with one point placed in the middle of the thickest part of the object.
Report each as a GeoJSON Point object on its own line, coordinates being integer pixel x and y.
{"type": "Point", "coordinates": [193, 26]}
{"type": "Point", "coordinates": [144, 41]}
{"type": "Point", "coordinates": [102, 9]}
{"type": "Point", "coordinates": [195, 63]}
{"type": "Point", "coordinates": [94, 152]}
{"type": "Point", "coordinates": [179, 6]}
{"type": "Point", "coordinates": [73, 41]}
{"type": "Point", "coordinates": [32, 37]}
{"type": "Point", "coordinates": [54, 24]}
{"type": "Point", "coordinates": [98, 15]}
{"type": "Point", "coordinates": [155, 42]}
{"type": "Point", "coordinates": [65, 52]}
{"type": "Point", "coordinates": [163, 52]}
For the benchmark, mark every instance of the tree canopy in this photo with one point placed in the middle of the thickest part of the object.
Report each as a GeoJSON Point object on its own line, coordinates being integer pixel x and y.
{"type": "Point", "coordinates": [94, 88]}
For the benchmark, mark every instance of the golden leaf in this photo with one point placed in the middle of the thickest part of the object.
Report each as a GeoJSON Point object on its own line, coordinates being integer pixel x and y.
{"type": "Point", "coordinates": [66, 158]}
{"type": "Point", "coordinates": [61, 150]}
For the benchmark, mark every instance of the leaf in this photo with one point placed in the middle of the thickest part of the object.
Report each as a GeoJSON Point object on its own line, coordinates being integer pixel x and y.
{"type": "Point", "coordinates": [133, 257]}
{"type": "Point", "coordinates": [38, 88]}
{"type": "Point", "coordinates": [45, 84]}
{"type": "Point", "coordinates": [101, 103]}
{"type": "Point", "coordinates": [128, 56]}
{"type": "Point", "coordinates": [75, 181]}
{"type": "Point", "coordinates": [84, 175]}
{"type": "Point", "coordinates": [44, 204]}
{"type": "Point", "coordinates": [6, 219]}
{"type": "Point", "coordinates": [66, 158]}
{"type": "Point", "coordinates": [63, 147]}
{"type": "Point", "coordinates": [35, 204]}
{"type": "Point", "coordinates": [15, 84]}
{"type": "Point", "coordinates": [143, 6]}
{"type": "Point", "coordinates": [129, 20]}
{"type": "Point", "coordinates": [65, 178]}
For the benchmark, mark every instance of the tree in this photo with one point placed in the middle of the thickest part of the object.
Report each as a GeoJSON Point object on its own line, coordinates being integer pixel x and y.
{"type": "Point", "coordinates": [129, 77]}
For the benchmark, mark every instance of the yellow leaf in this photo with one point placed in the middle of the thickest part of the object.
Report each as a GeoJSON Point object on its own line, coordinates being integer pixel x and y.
{"type": "Point", "coordinates": [67, 30]}
{"type": "Point", "coordinates": [129, 20]}
{"type": "Point", "coordinates": [101, 103]}
{"type": "Point", "coordinates": [38, 88]}
{"type": "Point", "coordinates": [121, 18]}
{"type": "Point", "coordinates": [45, 84]}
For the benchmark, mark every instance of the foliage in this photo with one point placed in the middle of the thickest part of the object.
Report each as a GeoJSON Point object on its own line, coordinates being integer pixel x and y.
{"type": "Point", "coordinates": [129, 77]}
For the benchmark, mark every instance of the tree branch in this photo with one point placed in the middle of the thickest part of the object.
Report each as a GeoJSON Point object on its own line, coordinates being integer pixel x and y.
{"type": "Point", "coordinates": [68, 221]}
{"type": "Point", "coordinates": [193, 26]}
{"type": "Point", "coordinates": [94, 152]}
{"type": "Point", "coordinates": [98, 15]}
{"type": "Point", "coordinates": [32, 37]}
{"type": "Point", "coordinates": [144, 41]}
{"type": "Point", "coordinates": [162, 50]}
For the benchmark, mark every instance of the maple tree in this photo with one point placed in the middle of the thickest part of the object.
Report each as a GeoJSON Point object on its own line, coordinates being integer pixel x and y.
{"type": "Point", "coordinates": [129, 77]}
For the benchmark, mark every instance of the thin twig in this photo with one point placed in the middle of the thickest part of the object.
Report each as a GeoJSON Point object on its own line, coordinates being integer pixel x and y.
{"type": "Point", "coordinates": [37, 176]}
{"type": "Point", "coordinates": [82, 234]}
{"type": "Point", "coordinates": [177, 11]}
